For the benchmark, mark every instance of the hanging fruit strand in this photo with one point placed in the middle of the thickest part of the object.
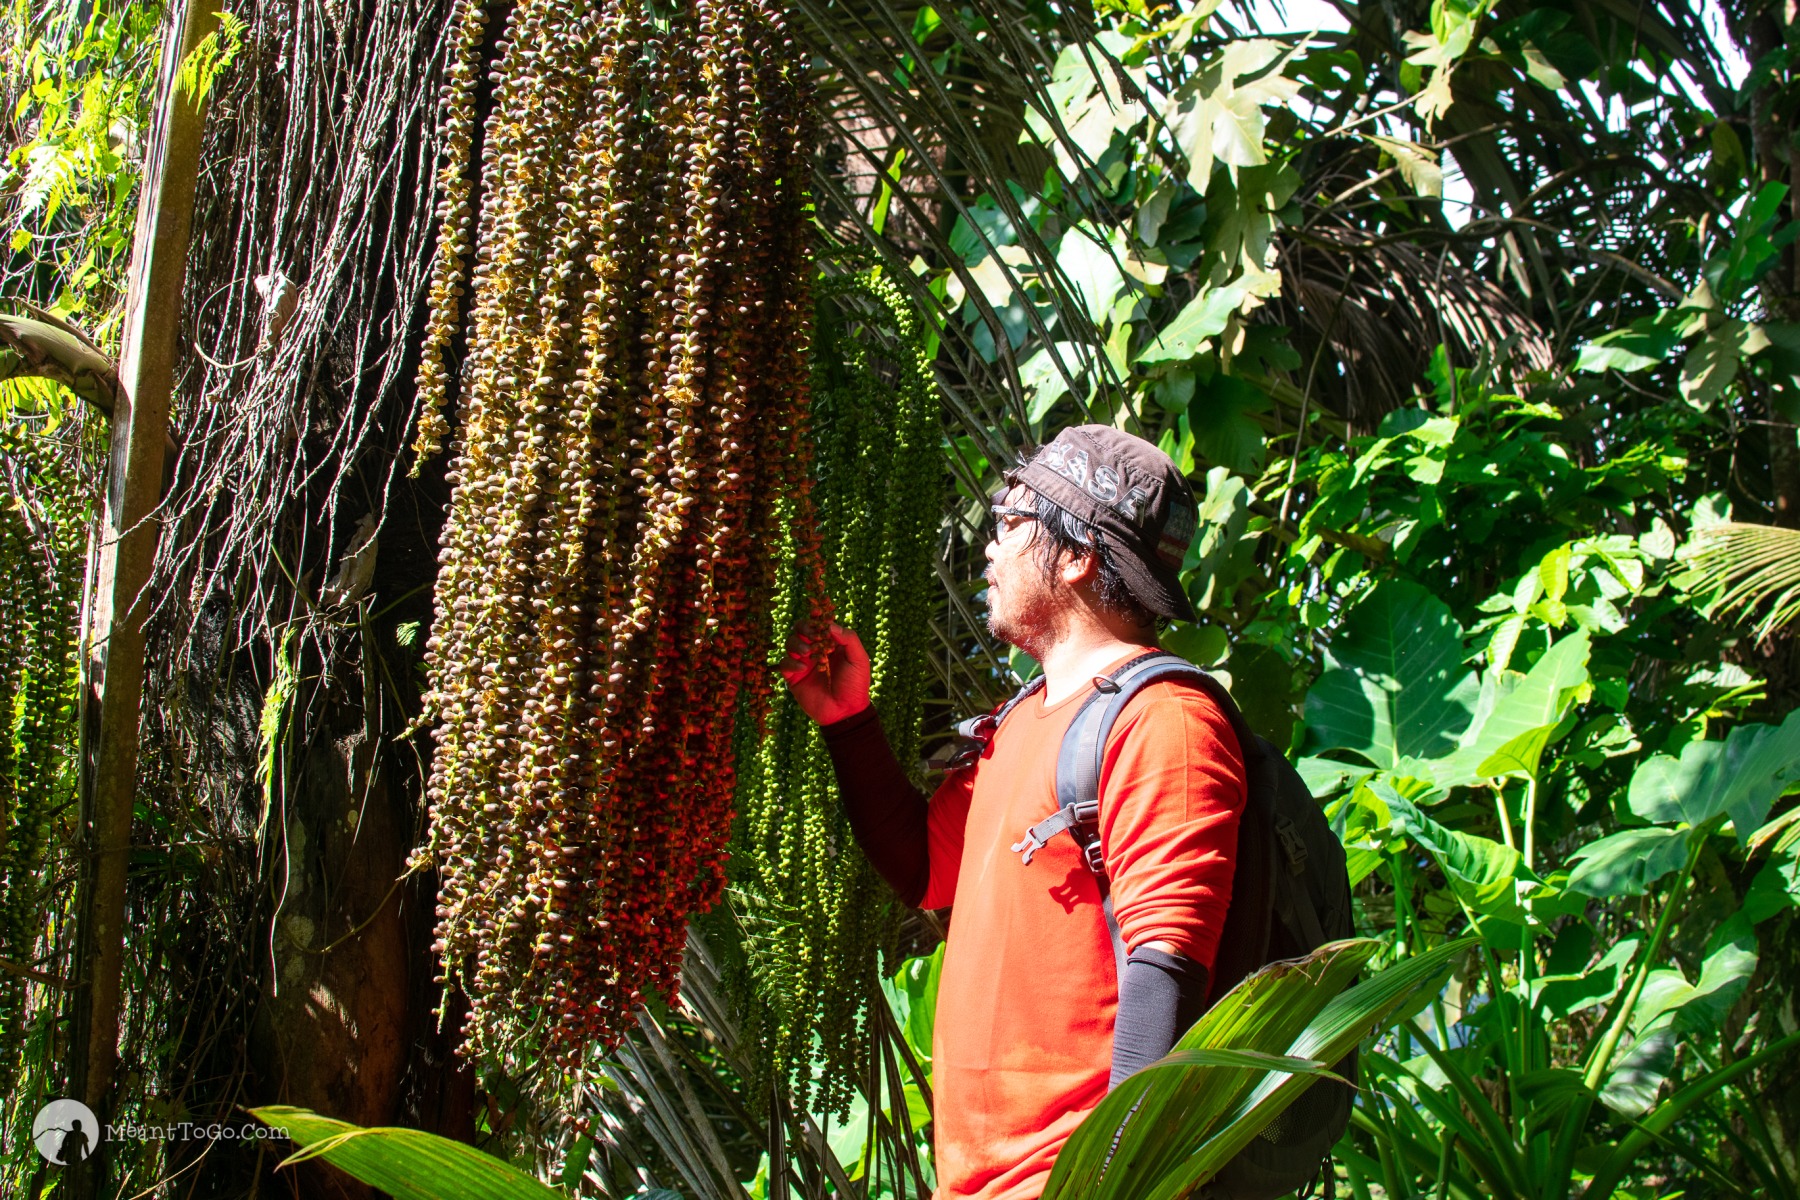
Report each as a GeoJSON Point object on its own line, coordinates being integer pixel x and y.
{"type": "Point", "coordinates": [628, 445]}
{"type": "Point", "coordinates": [815, 914]}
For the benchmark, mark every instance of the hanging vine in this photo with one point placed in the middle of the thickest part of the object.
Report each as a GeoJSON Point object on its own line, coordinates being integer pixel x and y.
{"type": "Point", "coordinates": [631, 439]}
{"type": "Point", "coordinates": [41, 530]}
{"type": "Point", "coordinates": [815, 914]}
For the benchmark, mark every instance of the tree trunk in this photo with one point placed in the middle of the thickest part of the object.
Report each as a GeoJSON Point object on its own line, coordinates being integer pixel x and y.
{"type": "Point", "coordinates": [115, 665]}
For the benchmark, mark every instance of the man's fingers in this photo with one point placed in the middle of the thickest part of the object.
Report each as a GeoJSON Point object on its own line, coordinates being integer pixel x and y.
{"type": "Point", "coordinates": [849, 643]}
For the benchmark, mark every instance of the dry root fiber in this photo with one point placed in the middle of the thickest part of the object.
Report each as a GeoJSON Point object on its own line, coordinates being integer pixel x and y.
{"type": "Point", "coordinates": [632, 428]}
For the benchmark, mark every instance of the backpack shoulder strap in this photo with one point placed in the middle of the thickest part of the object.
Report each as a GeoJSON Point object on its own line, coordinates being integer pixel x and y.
{"type": "Point", "coordinates": [974, 734]}
{"type": "Point", "coordinates": [1083, 750]}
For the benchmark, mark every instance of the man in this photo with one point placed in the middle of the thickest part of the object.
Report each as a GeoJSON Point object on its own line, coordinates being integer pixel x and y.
{"type": "Point", "coordinates": [1034, 1020]}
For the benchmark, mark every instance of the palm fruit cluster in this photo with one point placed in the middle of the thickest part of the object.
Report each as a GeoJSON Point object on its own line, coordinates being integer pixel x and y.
{"type": "Point", "coordinates": [631, 447]}
{"type": "Point", "coordinates": [815, 914]}
{"type": "Point", "coordinates": [40, 585]}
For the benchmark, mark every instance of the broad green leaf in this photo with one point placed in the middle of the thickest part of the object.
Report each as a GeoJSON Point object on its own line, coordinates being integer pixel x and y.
{"type": "Point", "coordinates": [1564, 995]}
{"type": "Point", "coordinates": [1517, 713]}
{"type": "Point", "coordinates": [1215, 119]}
{"type": "Point", "coordinates": [1504, 641]}
{"type": "Point", "coordinates": [1697, 1007]}
{"type": "Point", "coordinates": [1326, 777]}
{"type": "Point", "coordinates": [1203, 319]}
{"type": "Point", "coordinates": [1639, 1073]}
{"type": "Point", "coordinates": [1435, 98]}
{"type": "Point", "coordinates": [1740, 776]}
{"type": "Point", "coordinates": [1091, 259]}
{"type": "Point", "coordinates": [1418, 166]}
{"type": "Point", "coordinates": [1484, 874]}
{"type": "Point", "coordinates": [1712, 364]}
{"type": "Point", "coordinates": [1222, 433]}
{"type": "Point", "coordinates": [1520, 756]}
{"type": "Point", "coordinates": [1396, 686]}
{"type": "Point", "coordinates": [1203, 645]}
{"type": "Point", "coordinates": [1220, 553]}
{"type": "Point", "coordinates": [1627, 863]}
{"type": "Point", "coordinates": [912, 994]}
{"type": "Point", "coordinates": [408, 1164]}
{"type": "Point", "coordinates": [1090, 104]}
{"type": "Point", "coordinates": [1633, 349]}
{"type": "Point", "coordinates": [1049, 384]}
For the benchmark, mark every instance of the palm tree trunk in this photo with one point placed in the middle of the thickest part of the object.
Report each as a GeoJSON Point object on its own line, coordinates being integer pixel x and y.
{"type": "Point", "coordinates": [116, 661]}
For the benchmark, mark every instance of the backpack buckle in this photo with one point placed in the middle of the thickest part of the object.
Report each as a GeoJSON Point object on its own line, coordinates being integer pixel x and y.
{"type": "Point", "coordinates": [1293, 846]}
{"type": "Point", "coordinates": [1096, 861]}
{"type": "Point", "coordinates": [972, 738]}
{"type": "Point", "coordinates": [1040, 834]}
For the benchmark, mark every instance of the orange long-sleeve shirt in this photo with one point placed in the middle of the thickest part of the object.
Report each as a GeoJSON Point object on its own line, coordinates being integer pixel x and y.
{"type": "Point", "coordinates": [1023, 1043]}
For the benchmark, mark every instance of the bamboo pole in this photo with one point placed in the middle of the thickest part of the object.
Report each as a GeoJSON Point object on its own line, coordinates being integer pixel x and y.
{"type": "Point", "coordinates": [114, 651]}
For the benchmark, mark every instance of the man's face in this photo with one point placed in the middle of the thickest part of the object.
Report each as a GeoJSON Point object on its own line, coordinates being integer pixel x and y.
{"type": "Point", "coordinates": [1022, 605]}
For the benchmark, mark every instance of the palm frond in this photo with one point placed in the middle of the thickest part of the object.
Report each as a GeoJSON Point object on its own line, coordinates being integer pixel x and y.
{"type": "Point", "coordinates": [670, 1106]}
{"type": "Point", "coordinates": [1750, 568]}
{"type": "Point", "coordinates": [1375, 309]}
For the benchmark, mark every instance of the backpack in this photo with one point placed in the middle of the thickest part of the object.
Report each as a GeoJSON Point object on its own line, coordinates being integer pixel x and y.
{"type": "Point", "coordinates": [1296, 902]}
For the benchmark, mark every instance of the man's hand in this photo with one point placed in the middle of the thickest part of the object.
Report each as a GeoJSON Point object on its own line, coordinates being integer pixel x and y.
{"type": "Point", "coordinates": [829, 677]}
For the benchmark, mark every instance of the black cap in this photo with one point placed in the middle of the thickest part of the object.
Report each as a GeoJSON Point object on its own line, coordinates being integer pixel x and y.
{"type": "Point", "coordinates": [1134, 495]}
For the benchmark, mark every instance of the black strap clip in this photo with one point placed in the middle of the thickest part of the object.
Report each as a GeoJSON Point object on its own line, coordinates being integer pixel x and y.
{"type": "Point", "coordinates": [1293, 846]}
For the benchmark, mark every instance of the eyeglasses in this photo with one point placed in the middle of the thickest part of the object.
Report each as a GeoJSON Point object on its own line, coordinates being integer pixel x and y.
{"type": "Point", "coordinates": [1008, 517]}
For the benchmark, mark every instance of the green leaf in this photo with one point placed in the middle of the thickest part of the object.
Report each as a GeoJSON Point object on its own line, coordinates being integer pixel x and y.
{"type": "Point", "coordinates": [1049, 384]}
{"type": "Point", "coordinates": [408, 1164]}
{"type": "Point", "coordinates": [1090, 102]}
{"type": "Point", "coordinates": [1396, 686]}
{"type": "Point", "coordinates": [1561, 996]}
{"type": "Point", "coordinates": [1516, 715]}
{"type": "Point", "coordinates": [1092, 262]}
{"type": "Point", "coordinates": [1740, 776]}
{"type": "Point", "coordinates": [1222, 433]}
{"type": "Point", "coordinates": [1417, 165]}
{"type": "Point", "coordinates": [1324, 776]}
{"type": "Point", "coordinates": [1607, 1174]}
{"type": "Point", "coordinates": [1639, 1073]}
{"type": "Point", "coordinates": [1668, 995]}
{"type": "Point", "coordinates": [1712, 364]}
{"type": "Point", "coordinates": [1340, 1025]}
{"type": "Point", "coordinates": [1203, 645]}
{"type": "Point", "coordinates": [1146, 1126]}
{"type": "Point", "coordinates": [1643, 345]}
{"type": "Point", "coordinates": [1627, 863]}
{"type": "Point", "coordinates": [1203, 319]}
{"type": "Point", "coordinates": [1215, 119]}
{"type": "Point", "coordinates": [1484, 875]}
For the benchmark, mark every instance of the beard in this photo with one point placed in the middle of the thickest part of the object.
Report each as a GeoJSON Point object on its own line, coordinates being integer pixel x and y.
{"type": "Point", "coordinates": [1024, 613]}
